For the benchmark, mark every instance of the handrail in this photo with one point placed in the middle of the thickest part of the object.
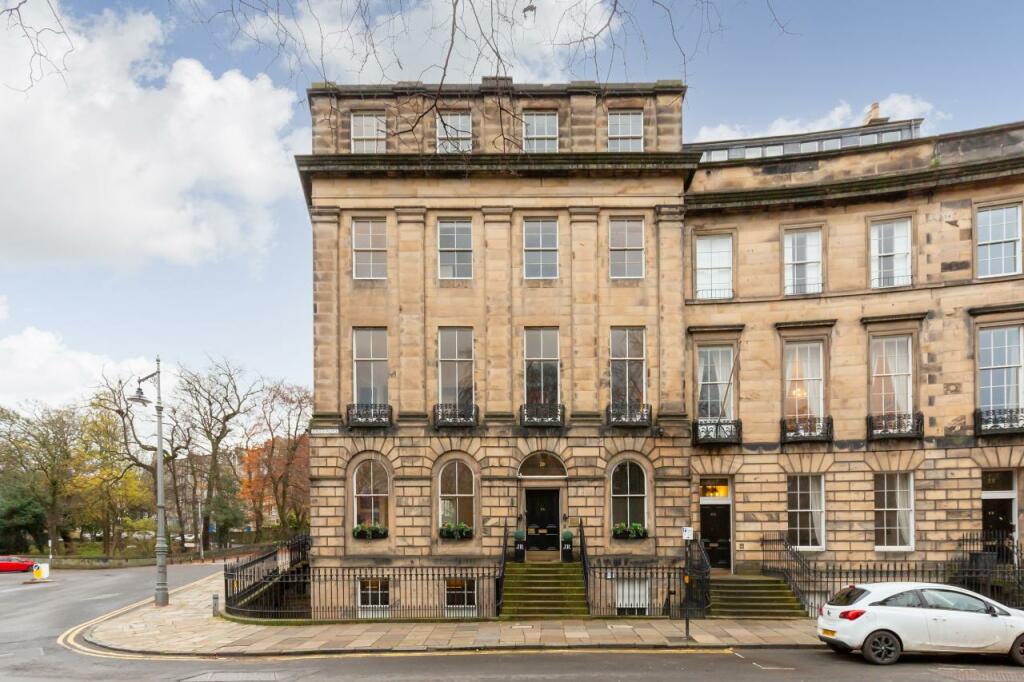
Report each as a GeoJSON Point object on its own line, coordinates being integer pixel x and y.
{"type": "Point", "coordinates": [499, 583]}
{"type": "Point", "coordinates": [585, 563]}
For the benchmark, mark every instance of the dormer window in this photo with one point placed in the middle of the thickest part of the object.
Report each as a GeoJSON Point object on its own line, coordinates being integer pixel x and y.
{"type": "Point", "coordinates": [454, 132]}
{"type": "Point", "coordinates": [625, 131]}
{"type": "Point", "coordinates": [369, 133]}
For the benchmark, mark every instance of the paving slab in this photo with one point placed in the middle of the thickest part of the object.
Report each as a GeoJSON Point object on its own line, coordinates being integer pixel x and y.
{"type": "Point", "coordinates": [187, 627]}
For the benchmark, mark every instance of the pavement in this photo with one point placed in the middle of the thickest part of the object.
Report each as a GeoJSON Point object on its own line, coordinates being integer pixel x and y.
{"type": "Point", "coordinates": [41, 626]}
{"type": "Point", "coordinates": [187, 627]}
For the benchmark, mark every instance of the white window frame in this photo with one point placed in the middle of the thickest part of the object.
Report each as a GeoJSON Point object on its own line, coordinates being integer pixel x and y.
{"type": "Point", "coordinates": [618, 137]}
{"type": "Point", "coordinates": [789, 262]}
{"type": "Point", "coordinates": [627, 495]}
{"type": "Point", "coordinates": [1020, 238]}
{"type": "Point", "coordinates": [908, 341]}
{"type": "Point", "coordinates": [471, 360]}
{"type": "Point", "coordinates": [795, 344]}
{"type": "Point", "coordinates": [356, 360]}
{"type": "Point", "coordinates": [441, 494]}
{"type": "Point", "coordinates": [528, 249]}
{"type": "Point", "coordinates": [462, 611]}
{"type": "Point", "coordinates": [820, 510]}
{"type": "Point", "coordinates": [642, 248]}
{"type": "Point", "coordinates": [527, 359]}
{"type": "Point", "coordinates": [453, 144]}
{"type": "Point", "coordinates": [711, 294]}
{"type": "Point", "coordinates": [1019, 365]}
{"type": "Point", "coordinates": [912, 509]}
{"type": "Point", "coordinates": [899, 280]}
{"type": "Point", "coordinates": [371, 222]}
{"type": "Point", "coordinates": [545, 138]}
{"type": "Point", "coordinates": [633, 594]}
{"type": "Point", "coordinates": [455, 249]}
{"type": "Point", "coordinates": [356, 494]}
{"type": "Point", "coordinates": [380, 140]}
{"type": "Point", "coordinates": [372, 610]}
{"type": "Point", "coordinates": [627, 358]}
{"type": "Point", "coordinates": [730, 404]}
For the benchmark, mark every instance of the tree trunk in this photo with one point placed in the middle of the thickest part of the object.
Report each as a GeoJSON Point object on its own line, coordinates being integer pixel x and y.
{"type": "Point", "coordinates": [177, 504]}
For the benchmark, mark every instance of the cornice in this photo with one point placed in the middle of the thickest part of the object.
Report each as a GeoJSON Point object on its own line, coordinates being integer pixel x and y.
{"type": "Point", "coordinates": [804, 324]}
{"type": "Point", "coordinates": [862, 189]}
{"type": "Point", "coordinates": [896, 317]}
{"type": "Point", "coordinates": [996, 309]}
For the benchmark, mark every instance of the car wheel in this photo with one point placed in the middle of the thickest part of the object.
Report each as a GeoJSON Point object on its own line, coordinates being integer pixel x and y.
{"type": "Point", "coordinates": [838, 648]}
{"type": "Point", "coordinates": [882, 648]}
{"type": "Point", "coordinates": [1017, 652]}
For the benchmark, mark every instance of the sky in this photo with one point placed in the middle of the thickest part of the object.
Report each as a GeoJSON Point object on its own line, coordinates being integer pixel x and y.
{"type": "Point", "coordinates": [149, 202]}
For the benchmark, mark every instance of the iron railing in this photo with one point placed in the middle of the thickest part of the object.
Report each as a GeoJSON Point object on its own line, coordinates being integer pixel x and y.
{"type": "Point", "coordinates": [369, 414]}
{"type": "Point", "coordinates": [895, 425]}
{"type": "Point", "coordinates": [254, 579]}
{"type": "Point", "coordinates": [456, 414]}
{"type": "Point", "coordinates": [624, 588]}
{"type": "Point", "coordinates": [628, 414]}
{"type": "Point", "coordinates": [542, 414]}
{"type": "Point", "coordinates": [499, 583]}
{"type": "Point", "coordinates": [984, 572]}
{"type": "Point", "coordinates": [585, 563]}
{"type": "Point", "coordinates": [806, 429]}
{"type": "Point", "coordinates": [1005, 420]}
{"type": "Point", "coordinates": [697, 599]}
{"type": "Point", "coordinates": [711, 431]}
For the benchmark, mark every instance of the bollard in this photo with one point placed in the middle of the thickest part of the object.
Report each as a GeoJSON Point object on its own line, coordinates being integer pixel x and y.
{"type": "Point", "coordinates": [216, 609]}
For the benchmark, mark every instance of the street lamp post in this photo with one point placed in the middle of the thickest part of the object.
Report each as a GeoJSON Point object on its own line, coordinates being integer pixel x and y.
{"type": "Point", "coordinates": [160, 597]}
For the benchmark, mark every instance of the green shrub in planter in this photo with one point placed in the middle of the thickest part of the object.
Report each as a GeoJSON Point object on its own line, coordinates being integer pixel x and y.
{"type": "Point", "coordinates": [567, 535]}
{"type": "Point", "coordinates": [633, 531]}
{"type": "Point", "coordinates": [519, 535]}
{"type": "Point", "coordinates": [369, 531]}
{"type": "Point", "coordinates": [455, 531]}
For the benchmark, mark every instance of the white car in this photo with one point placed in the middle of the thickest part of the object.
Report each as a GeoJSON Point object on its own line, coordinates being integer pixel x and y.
{"type": "Point", "coordinates": [883, 620]}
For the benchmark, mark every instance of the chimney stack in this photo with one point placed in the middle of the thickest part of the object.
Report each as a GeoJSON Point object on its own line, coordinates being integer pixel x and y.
{"type": "Point", "coordinates": [874, 115]}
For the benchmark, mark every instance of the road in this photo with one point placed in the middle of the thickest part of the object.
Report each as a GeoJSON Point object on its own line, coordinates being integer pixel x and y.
{"type": "Point", "coordinates": [32, 617]}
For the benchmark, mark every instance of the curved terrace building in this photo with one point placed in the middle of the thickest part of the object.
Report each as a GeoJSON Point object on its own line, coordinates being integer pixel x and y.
{"type": "Point", "coordinates": [536, 309]}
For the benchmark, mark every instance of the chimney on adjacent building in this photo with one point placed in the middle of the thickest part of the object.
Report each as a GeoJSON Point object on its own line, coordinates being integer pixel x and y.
{"type": "Point", "coordinates": [874, 116]}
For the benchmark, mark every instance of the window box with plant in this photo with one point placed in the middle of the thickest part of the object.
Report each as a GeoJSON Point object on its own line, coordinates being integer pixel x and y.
{"type": "Point", "coordinates": [455, 531]}
{"type": "Point", "coordinates": [369, 531]}
{"type": "Point", "coordinates": [632, 531]}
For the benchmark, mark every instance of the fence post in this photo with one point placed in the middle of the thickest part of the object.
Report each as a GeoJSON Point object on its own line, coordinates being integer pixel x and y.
{"type": "Point", "coordinates": [216, 607]}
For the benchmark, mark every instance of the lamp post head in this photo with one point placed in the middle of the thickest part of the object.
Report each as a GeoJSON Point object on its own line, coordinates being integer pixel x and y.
{"type": "Point", "coordinates": [139, 397]}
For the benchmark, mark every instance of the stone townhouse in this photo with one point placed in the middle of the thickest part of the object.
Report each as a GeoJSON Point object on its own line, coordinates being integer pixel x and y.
{"type": "Point", "coordinates": [535, 308]}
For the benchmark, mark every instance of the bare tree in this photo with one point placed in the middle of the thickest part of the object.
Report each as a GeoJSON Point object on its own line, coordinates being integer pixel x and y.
{"type": "Point", "coordinates": [215, 402]}
{"type": "Point", "coordinates": [284, 414]}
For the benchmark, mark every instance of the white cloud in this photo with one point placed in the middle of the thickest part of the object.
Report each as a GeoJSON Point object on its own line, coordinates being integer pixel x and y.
{"type": "Point", "coordinates": [38, 365]}
{"type": "Point", "coordinates": [132, 157]}
{"type": "Point", "coordinates": [5, 309]}
{"type": "Point", "coordinates": [409, 41]}
{"type": "Point", "coordinates": [896, 106]}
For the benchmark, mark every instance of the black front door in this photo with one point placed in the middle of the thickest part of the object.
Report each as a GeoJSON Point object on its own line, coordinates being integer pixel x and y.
{"type": "Point", "coordinates": [716, 533]}
{"type": "Point", "coordinates": [542, 520]}
{"type": "Point", "coordinates": [997, 517]}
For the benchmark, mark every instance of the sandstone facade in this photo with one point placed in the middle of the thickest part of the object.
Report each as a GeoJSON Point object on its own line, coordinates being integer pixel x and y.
{"type": "Point", "coordinates": [938, 184]}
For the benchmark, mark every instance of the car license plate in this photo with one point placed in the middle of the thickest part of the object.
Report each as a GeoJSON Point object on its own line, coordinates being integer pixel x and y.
{"type": "Point", "coordinates": [828, 633]}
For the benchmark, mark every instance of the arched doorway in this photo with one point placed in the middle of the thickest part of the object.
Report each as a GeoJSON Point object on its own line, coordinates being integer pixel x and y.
{"type": "Point", "coordinates": [542, 478]}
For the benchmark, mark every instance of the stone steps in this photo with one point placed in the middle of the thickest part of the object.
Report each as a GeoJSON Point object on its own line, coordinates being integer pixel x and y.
{"type": "Point", "coordinates": [544, 590]}
{"type": "Point", "coordinates": [745, 598]}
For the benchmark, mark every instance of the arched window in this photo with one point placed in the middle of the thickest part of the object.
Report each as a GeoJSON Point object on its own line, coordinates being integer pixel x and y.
{"type": "Point", "coordinates": [371, 493]}
{"type": "Point", "coordinates": [629, 494]}
{"type": "Point", "coordinates": [456, 492]}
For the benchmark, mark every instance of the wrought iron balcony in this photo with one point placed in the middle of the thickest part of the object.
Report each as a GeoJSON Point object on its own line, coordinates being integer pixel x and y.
{"type": "Point", "coordinates": [369, 414]}
{"type": "Point", "coordinates": [895, 425]}
{"type": "Point", "coordinates": [1003, 420]}
{"type": "Point", "coordinates": [456, 414]}
{"type": "Point", "coordinates": [542, 414]}
{"type": "Point", "coordinates": [709, 431]}
{"type": "Point", "coordinates": [632, 414]}
{"type": "Point", "coordinates": [806, 429]}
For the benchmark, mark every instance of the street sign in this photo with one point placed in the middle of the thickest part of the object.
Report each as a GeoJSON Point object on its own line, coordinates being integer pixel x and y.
{"type": "Point", "coordinates": [687, 532]}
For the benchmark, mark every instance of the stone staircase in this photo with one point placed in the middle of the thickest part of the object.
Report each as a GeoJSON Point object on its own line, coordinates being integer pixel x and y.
{"type": "Point", "coordinates": [753, 597]}
{"type": "Point", "coordinates": [544, 590]}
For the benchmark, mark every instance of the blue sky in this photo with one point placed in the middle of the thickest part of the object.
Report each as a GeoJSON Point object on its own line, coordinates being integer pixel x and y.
{"type": "Point", "coordinates": [164, 216]}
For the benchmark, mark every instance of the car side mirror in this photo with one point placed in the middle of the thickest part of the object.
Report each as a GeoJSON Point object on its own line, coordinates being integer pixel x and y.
{"type": "Point", "coordinates": [991, 610]}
